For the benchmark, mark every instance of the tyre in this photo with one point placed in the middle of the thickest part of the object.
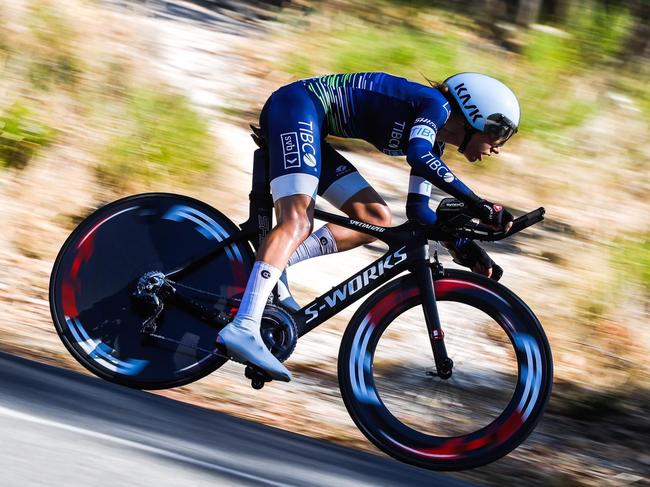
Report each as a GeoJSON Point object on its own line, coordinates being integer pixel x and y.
{"type": "Point", "coordinates": [96, 272]}
{"type": "Point", "coordinates": [500, 384]}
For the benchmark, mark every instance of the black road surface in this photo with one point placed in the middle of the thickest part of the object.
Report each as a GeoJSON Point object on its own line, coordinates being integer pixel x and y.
{"type": "Point", "coordinates": [61, 428]}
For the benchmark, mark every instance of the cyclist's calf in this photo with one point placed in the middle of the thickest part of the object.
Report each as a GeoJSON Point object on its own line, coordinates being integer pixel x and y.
{"type": "Point", "coordinates": [295, 216]}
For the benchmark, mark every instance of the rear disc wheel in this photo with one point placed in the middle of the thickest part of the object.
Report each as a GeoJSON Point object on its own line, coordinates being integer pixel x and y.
{"type": "Point", "coordinates": [97, 269]}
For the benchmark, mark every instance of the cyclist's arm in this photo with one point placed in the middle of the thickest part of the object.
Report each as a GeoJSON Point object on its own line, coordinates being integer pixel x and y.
{"type": "Point", "coordinates": [425, 163]}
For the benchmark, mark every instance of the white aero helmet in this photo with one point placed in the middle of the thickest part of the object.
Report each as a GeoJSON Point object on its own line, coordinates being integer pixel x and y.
{"type": "Point", "coordinates": [488, 105]}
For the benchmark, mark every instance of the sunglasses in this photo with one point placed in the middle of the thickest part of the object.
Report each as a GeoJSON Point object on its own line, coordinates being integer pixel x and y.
{"type": "Point", "coordinates": [500, 128]}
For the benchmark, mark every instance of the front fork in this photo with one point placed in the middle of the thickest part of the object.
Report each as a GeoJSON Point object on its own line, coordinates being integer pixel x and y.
{"type": "Point", "coordinates": [423, 276]}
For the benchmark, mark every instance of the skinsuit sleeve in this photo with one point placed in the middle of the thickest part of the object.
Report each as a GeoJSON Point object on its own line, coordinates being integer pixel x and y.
{"type": "Point", "coordinates": [427, 167]}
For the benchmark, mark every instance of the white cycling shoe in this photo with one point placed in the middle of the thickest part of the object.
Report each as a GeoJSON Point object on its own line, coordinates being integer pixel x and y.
{"type": "Point", "coordinates": [244, 344]}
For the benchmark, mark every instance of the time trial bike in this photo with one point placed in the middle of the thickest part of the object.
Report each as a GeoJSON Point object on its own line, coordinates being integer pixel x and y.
{"type": "Point", "coordinates": [141, 288]}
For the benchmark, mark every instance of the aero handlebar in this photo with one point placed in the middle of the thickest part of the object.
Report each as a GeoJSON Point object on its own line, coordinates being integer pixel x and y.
{"type": "Point", "coordinates": [479, 231]}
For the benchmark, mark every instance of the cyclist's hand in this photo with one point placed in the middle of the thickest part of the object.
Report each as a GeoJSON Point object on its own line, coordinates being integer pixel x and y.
{"type": "Point", "coordinates": [494, 214]}
{"type": "Point", "coordinates": [470, 254]}
{"type": "Point", "coordinates": [491, 270]}
{"type": "Point", "coordinates": [484, 265]}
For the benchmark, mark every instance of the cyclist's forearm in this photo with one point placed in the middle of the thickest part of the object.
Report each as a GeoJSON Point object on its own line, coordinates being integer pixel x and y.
{"type": "Point", "coordinates": [417, 201]}
{"type": "Point", "coordinates": [430, 167]}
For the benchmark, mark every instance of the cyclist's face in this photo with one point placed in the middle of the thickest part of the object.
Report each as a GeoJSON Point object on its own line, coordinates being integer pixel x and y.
{"type": "Point", "coordinates": [480, 145]}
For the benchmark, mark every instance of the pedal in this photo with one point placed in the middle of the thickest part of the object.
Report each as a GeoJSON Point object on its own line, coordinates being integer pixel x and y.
{"type": "Point", "coordinates": [257, 376]}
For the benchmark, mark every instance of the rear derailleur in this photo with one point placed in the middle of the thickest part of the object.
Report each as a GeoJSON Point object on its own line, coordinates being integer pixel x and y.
{"type": "Point", "coordinates": [151, 290]}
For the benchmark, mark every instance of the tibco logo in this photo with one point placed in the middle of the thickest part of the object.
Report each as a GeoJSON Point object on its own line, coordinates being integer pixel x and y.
{"type": "Point", "coordinates": [306, 131]}
{"type": "Point", "coordinates": [438, 167]}
{"type": "Point", "coordinates": [396, 134]}
{"type": "Point", "coordinates": [296, 143]}
{"type": "Point", "coordinates": [356, 284]}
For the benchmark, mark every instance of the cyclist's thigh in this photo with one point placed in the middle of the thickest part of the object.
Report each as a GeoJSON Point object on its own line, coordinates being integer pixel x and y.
{"type": "Point", "coordinates": [292, 125]}
{"type": "Point", "coordinates": [340, 181]}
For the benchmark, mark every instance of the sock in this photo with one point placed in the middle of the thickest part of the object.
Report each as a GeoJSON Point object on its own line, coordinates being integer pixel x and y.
{"type": "Point", "coordinates": [321, 242]}
{"type": "Point", "coordinates": [260, 284]}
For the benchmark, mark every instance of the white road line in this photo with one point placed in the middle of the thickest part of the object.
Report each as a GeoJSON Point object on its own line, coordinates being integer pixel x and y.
{"type": "Point", "coordinates": [10, 413]}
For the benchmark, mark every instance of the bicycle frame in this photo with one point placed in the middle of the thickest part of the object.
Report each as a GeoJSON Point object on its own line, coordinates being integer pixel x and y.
{"type": "Point", "coordinates": [408, 250]}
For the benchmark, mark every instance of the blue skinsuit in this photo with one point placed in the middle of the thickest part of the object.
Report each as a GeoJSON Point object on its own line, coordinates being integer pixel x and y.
{"type": "Point", "coordinates": [397, 116]}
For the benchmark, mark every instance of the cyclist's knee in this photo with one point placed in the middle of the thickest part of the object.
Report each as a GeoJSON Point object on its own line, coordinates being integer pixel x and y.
{"type": "Point", "coordinates": [295, 216]}
{"type": "Point", "coordinates": [298, 227]}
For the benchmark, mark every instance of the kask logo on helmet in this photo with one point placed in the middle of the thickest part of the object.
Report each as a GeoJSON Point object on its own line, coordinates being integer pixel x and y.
{"type": "Point", "coordinates": [465, 100]}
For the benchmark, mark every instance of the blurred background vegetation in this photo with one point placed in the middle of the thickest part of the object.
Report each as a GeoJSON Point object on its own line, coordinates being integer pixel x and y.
{"type": "Point", "coordinates": [86, 116]}
{"type": "Point", "coordinates": [67, 78]}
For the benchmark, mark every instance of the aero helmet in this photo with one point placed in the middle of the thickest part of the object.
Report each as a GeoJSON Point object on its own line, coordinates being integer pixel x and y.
{"type": "Point", "coordinates": [488, 105]}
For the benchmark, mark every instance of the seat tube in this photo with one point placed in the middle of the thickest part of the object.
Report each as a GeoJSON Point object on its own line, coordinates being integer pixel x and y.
{"type": "Point", "coordinates": [423, 276]}
{"type": "Point", "coordinates": [261, 202]}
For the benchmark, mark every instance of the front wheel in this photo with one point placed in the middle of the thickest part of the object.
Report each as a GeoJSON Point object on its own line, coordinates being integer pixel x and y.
{"type": "Point", "coordinates": [499, 385]}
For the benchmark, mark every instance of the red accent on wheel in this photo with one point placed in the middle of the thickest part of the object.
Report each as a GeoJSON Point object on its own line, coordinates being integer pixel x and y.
{"type": "Point", "coordinates": [457, 446]}
{"type": "Point", "coordinates": [478, 443]}
{"type": "Point", "coordinates": [69, 299]}
{"type": "Point", "coordinates": [390, 302]}
{"type": "Point", "coordinates": [71, 284]}
{"type": "Point", "coordinates": [509, 427]}
{"type": "Point", "coordinates": [454, 446]}
{"type": "Point", "coordinates": [445, 286]}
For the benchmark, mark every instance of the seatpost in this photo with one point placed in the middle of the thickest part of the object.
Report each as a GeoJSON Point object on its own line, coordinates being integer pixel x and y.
{"type": "Point", "coordinates": [261, 202]}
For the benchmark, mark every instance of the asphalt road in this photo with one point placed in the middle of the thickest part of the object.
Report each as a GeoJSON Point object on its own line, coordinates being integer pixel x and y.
{"type": "Point", "coordinates": [61, 428]}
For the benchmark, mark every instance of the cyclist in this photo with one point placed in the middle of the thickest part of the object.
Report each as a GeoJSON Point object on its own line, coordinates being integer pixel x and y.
{"type": "Point", "coordinates": [472, 111]}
